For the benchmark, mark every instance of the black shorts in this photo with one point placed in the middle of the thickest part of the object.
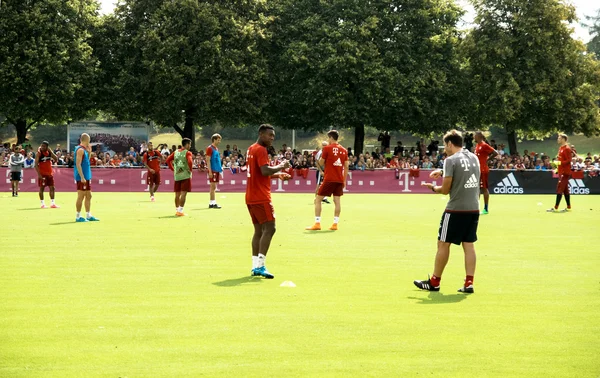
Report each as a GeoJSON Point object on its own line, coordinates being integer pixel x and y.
{"type": "Point", "coordinates": [457, 228]}
{"type": "Point", "coordinates": [15, 176]}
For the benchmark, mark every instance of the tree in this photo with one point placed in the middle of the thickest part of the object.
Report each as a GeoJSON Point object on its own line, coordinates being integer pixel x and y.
{"type": "Point", "coordinates": [594, 28]}
{"type": "Point", "coordinates": [46, 63]}
{"type": "Point", "coordinates": [388, 64]}
{"type": "Point", "coordinates": [527, 74]}
{"type": "Point", "coordinates": [185, 62]}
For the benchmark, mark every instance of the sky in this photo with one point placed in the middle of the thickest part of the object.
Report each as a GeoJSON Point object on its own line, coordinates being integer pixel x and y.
{"type": "Point", "coordinates": [584, 8]}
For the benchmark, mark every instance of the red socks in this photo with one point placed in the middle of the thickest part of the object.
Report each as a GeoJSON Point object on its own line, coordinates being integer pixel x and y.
{"type": "Point", "coordinates": [468, 281]}
{"type": "Point", "coordinates": [435, 281]}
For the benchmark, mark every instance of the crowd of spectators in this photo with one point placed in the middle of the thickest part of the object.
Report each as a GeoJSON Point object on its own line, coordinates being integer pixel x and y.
{"type": "Point", "coordinates": [420, 156]}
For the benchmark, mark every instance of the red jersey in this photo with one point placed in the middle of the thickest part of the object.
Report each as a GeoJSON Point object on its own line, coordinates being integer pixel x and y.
{"type": "Point", "coordinates": [45, 163]}
{"type": "Point", "coordinates": [565, 155]}
{"type": "Point", "coordinates": [258, 188]}
{"type": "Point", "coordinates": [152, 159]}
{"type": "Point", "coordinates": [335, 157]}
{"type": "Point", "coordinates": [483, 152]}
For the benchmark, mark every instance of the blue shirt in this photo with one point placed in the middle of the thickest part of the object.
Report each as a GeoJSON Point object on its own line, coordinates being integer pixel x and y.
{"type": "Point", "coordinates": [85, 165]}
{"type": "Point", "coordinates": [215, 160]}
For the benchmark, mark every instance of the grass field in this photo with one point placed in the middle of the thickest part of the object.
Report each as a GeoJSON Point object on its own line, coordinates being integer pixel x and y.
{"type": "Point", "coordinates": [145, 294]}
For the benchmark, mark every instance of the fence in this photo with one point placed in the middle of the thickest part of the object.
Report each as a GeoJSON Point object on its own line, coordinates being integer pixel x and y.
{"type": "Point", "coordinates": [379, 181]}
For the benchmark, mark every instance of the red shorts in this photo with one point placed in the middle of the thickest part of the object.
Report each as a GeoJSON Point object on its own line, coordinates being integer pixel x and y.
{"type": "Point", "coordinates": [563, 184]}
{"type": "Point", "coordinates": [261, 213]}
{"type": "Point", "coordinates": [46, 181]}
{"type": "Point", "coordinates": [85, 187]}
{"type": "Point", "coordinates": [216, 176]}
{"type": "Point", "coordinates": [331, 188]}
{"type": "Point", "coordinates": [183, 185]}
{"type": "Point", "coordinates": [154, 178]}
{"type": "Point", "coordinates": [483, 182]}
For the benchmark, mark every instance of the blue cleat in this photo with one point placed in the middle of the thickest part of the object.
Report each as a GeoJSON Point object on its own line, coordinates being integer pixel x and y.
{"type": "Point", "coordinates": [255, 272]}
{"type": "Point", "coordinates": [80, 219]}
{"type": "Point", "coordinates": [262, 271]}
{"type": "Point", "coordinates": [93, 219]}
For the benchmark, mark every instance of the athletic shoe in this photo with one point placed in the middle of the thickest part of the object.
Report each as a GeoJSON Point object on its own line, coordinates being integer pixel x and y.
{"type": "Point", "coordinates": [214, 206]}
{"type": "Point", "coordinates": [54, 206]}
{"type": "Point", "coordinates": [325, 200]}
{"type": "Point", "coordinates": [484, 212]}
{"type": "Point", "coordinates": [565, 210]}
{"type": "Point", "coordinates": [43, 207]}
{"type": "Point", "coordinates": [552, 210]}
{"type": "Point", "coordinates": [152, 199]}
{"type": "Point", "coordinates": [254, 272]}
{"type": "Point", "coordinates": [426, 285]}
{"type": "Point", "coordinates": [314, 227]}
{"type": "Point", "coordinates": [467, 289]}
{"type": "Point", "coordinates": [179, 214]}
{"type": "Point", "coordinates": [80, 220]}
{"type": "Point", "coordinates": [93, 219]}
{"type": "Point", "coordinates": [333, 227]}
{"type": "Point", "coordinates": [263, 272]}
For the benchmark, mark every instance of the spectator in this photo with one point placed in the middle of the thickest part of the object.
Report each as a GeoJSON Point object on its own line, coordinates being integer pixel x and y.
{"type": "Point", "coordinates": [427, 164]}
{"type": "Point", "coordinates": [60, 158]}
{"type": "Point", "coordinates": [370, 164]}
{"type": "Point", "coordinates": [30, 161]}
{"type": "Point", "coordinates": [57, 149]}
{"type": "Point", "coordinates": [227, 151]}
{"type": "Point", "coordinates": [385, 139]}
{"type": "Point", "coordinates": [132, 152]}
{"type": "Point", "coordinates": [165, 150]}
{"type": "Point", "coordinates": [394, 163]}
{"type": "Point", "coordinates": [539, 165]}
{"type": "Point", "coordinates": [399, 149]}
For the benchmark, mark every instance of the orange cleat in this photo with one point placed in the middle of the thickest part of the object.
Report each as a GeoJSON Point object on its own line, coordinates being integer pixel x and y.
{"type": "Point", "coordinates": [55, 207]}
{"type": "Point", "coordinates": [178, 214]}
{"type": "Point", "coordinates": [314, 227]}
{"type": "Point", "coordinates": [333, 227]}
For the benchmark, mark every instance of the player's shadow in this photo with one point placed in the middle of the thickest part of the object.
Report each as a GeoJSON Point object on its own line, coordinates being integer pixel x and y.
{"type": "Point", "coordinates": [313, 232]}
{"type": "Point", "coordinates": [439, 298]}
{"type": "Point", "coordinates": [238, 281]}
{"type": "Point", "coordinates": [62, 223]}
{"type": "Point", "coordinates": [202, 209]}
{"type": "Point", "coordinates": [30, 208]}
{"type": "Point", "coordinates": [168, 217]}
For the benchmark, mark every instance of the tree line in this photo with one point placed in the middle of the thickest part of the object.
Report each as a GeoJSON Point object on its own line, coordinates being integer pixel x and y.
{"type": "Point", "coordinates": [402, 65]}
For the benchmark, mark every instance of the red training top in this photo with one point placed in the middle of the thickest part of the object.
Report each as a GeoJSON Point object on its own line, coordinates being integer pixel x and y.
{"type": "Point", "coordinates": [565, 155]}
{"type": "Point", "coordinates": [483, 152]}
{"type": "Point", "coordinates": [152, 159]}
{"type": "Point", "coordinates": [335, 157]}
{"type": "Point", "coordinates": [258, 188]}
{"type": "Point", "coordinates": [45, 163]}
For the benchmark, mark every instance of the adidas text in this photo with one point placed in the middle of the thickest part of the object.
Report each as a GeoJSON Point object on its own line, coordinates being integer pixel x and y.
{"type": "Point", "coordinates": [508, 190]}
{"type": "Point", "coordinates": [508, 186]}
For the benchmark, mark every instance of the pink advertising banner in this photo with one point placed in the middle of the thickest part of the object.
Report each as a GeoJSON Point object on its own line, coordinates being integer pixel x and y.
{"type": "Point", "coordinates": [134, 180]}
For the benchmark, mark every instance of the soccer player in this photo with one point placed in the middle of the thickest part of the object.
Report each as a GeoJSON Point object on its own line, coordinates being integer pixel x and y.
{"type": "Point", "coordinates": [151, 160]}
{"type": "Point", "coordinates": [180, 162]}
{"type": "Point", "coordinates": [83, 177]}
{"type": "Point", "coordinates": [335, 160]}
{"type": "Point", "coordinates": [565, 154]}
{"type": "Point", "coordinates": [461, 217]}
{"type": "Point", "coordinates": [43, 166]}
{"type": "Point", "coordinates": [17, 161]}
{"type": "Point", "coordinates": [258, 197]}
{"type": "Point", "coordinates": [484, 151]}
{"type": "Point", "coordinates": [320, 171]}
{"type": "Point", "coordinates": [215, 168]}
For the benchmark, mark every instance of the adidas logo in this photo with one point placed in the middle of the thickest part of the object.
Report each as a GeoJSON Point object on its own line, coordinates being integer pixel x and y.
{"type": "Point", "coordinates": [337, 163]}
{"type": "Point", "coordinates": [508, 186]}
{"type": "Point", "coordinates": [577, 186]}
{"type": "Point", "coordinates": [472, 182]}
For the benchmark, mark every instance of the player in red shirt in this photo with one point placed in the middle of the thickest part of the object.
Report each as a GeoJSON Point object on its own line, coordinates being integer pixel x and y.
{"type": "Point", "coordinates": [484, 151]}
{"type": "Point", "coordinates": [152, 160]}
{"type": "Point", "coordinates": [335, 160]}
{"type": "Point", "coordinates": [258, 197]}
{"type": "Point", "coordinates": [43, 166]}
{"type": "Point", "coordinates": [565, 155]}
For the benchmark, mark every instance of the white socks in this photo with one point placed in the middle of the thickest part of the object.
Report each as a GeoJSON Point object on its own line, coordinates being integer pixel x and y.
{"type": "Point", "coordinates": [42, 202]}
{"type": "Point", "coordinates": [261, 260]}
{"type": "Point", "coordinates": [254, 262]}
{"type": "Point", "coordinates": [89, 214]}
{"type": "Point", "coordinates": [213, 202]}
{"type": "Point", "coordinates": [180, 209]}
{"type": "Point", "coordinates": [51, 201]}
{"type": "Point", "coordinates": [317, 219]}
{"type": "Point", "coordinates": [336, 220]}
{"type": "Point", "coordinates": [78, 215]}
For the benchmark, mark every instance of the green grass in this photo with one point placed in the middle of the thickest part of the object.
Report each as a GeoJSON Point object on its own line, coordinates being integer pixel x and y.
{"type": "Point", "coordinates": [144, 294]}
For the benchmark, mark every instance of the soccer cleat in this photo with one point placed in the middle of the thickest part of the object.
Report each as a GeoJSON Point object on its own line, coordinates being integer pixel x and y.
{"type": "Point", "coordinates": [484, 212]}
{"type": "Point", "coordinates": [467, 289]}
{"type": "Point", "coordinates": [552, 210]}
{"type": "Point", "coordinates": [92, 219]}
{"type": "Point", "coordinates": [80, 220]}
{"type": "Point", "coordinates": [43, 207]}
{"type": "Point", "coordinates": [314, 227]}
{"type": "Point", "coordinates": [179, 214]}
{"type": "Point", "coordinates": [152, 199]}
{"type": "Point", "coordinates": [325, 200]}
{"type": "Point", "coordinates": [54, 206]}
{"type": "Point", "coordinates": [564, 210]}
{"type": "Point", "coordinates": [214, 206]}
{"type": "Point", "coordinates": [254, 272]}
{"type": "Point", "coordinates": [333, 227]}
{"type": "Point", "coordinates": [426, 285]}
{"type": "Point", "coordinates": [263, 272]}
